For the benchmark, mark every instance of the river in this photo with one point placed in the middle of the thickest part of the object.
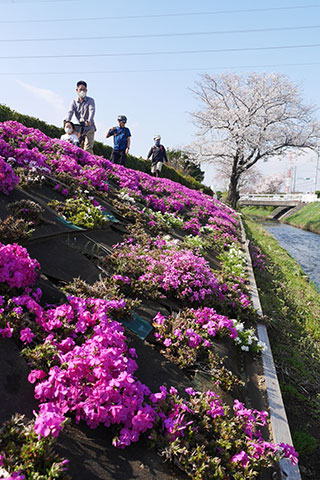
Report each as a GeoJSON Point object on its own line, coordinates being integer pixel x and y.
{"type": "Point", "coordinates": [303, 246]}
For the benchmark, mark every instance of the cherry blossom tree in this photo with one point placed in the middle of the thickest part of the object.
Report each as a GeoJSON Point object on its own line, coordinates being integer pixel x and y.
{"type": "Point", "coordinates": [270, 184]}
{"type": "Point", "coordinates": [244, 119]}
{"type": "Point", "coordinates": [248, 182]}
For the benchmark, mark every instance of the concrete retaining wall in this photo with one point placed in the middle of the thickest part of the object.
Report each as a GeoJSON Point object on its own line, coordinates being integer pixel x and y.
{"type": "Point", "coordinates": [279, 422]}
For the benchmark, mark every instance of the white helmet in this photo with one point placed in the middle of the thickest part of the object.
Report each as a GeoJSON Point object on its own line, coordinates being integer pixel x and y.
{"type": "Point", "coordinates": [157, 137]}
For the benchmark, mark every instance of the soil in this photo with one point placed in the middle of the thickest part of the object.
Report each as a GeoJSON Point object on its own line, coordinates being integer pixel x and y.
{"type": "Point", "coordinates": [93, 457]}
{"type": "Point", "coordinates": [16, 391]}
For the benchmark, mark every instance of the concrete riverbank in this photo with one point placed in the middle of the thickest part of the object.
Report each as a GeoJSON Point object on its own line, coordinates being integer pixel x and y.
{"type": "Point", "coordinates": [291, 305]}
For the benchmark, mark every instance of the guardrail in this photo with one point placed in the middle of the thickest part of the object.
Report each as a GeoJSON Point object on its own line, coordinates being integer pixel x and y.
{"type": "Point", "coordinates": [281, 197]}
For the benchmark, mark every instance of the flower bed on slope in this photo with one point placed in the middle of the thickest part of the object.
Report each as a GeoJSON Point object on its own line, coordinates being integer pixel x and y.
{"type": "Point", "coordinates": [82, 367]}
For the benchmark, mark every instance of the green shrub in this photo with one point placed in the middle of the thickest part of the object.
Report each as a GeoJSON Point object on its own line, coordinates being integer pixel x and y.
{"type": "Point", "coordinates": [304, 442]}
{"type": "Point", "coordinates": [32, 122]}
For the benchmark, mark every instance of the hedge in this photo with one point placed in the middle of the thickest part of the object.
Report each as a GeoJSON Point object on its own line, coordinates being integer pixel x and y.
{"type": "Point", "coordinates": [99, 148]}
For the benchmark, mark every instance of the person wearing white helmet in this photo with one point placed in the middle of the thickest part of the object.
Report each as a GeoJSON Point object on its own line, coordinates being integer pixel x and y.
{"type": "Point", "coordinates": [158, 155]}
{"type": "Point", "coordinates": [121, 141]}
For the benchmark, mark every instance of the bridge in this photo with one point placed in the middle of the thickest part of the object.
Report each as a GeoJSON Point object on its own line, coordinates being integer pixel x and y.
{"type": "Point", "coordinates": [277, 199]}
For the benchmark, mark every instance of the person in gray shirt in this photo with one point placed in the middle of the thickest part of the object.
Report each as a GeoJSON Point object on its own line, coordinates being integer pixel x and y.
{"type": "Point", "coordinates": [83, 109]}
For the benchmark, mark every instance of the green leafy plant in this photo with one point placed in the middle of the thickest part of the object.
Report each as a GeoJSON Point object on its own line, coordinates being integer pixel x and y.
{"type": "Point", "coordinates": [195, 243]}
{"type": "Point", "coordinates": [81, 211]}
{"type": "Point", "coordinates": [170, 219]}
{"type": "Point", "coordinates": [21, 451]}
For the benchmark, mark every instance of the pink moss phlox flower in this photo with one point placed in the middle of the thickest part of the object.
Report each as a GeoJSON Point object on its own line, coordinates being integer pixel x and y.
{"type": "Point", "coordinates": [36, 152]}
{"type": "Point", "coordinates": [7, 331]}
{"type": "Point", "coordinates": [16, 476]}
{"type": "Point", "coordinates": [26, 335]}
{"type": "Point", "coordinates": [133, 353]}
{"type": "Point", "coordinates": [190, 391]}
{"type": "Point", "coordinates": [17, 269]}
{"type": "Point", "coordinates": [289, 452]}
{"type": "Point", "coordinates": [35, 375]}
{"type": "Point", "coordinates": [193, 226]}
{"type": "Point", "coordinates": [121, 278]}
{"type": "Point", "coordinates": [94, 379]}
{"type": "Point", "coordinates": [8, 179]}
{"type": "Point", "coordinates": [49, 421]}
{"type": "Point", "coordinates": [241, 458]}
{"type": "Point", "coordinates": [203, 323]}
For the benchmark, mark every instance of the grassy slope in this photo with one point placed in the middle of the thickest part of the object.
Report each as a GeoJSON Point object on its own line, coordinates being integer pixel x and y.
{"type": "Point", "coordinates": [257, 212]}
{"type": "Point", "coordinates": [307, 218]}
{"type": "Point", "coordinates": [293, 305]}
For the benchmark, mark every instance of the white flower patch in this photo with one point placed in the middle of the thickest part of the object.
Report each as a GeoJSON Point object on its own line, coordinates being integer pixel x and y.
{"type": "Point", "coordinates": [124, 195]}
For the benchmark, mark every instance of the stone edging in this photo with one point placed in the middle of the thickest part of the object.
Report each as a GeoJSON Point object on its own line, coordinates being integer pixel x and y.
{"type": "Point", "coordinates": [279, 422]}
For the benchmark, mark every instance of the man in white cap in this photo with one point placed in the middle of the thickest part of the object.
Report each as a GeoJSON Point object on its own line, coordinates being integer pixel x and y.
{"type": "Point", "coordinates": [158, 154]}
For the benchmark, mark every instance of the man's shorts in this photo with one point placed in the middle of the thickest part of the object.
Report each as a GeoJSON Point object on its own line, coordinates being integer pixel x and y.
{"type": "Point", "coordinates": [156, 166]}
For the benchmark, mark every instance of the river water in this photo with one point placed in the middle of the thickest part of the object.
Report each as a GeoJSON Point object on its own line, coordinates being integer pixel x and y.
{"type": "Point", "coordinates": [303, 246]}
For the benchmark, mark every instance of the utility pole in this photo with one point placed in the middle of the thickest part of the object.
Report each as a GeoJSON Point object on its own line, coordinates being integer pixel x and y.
{"type": "Point", "coordinates": [288, 186]}
{"type": "Point", "coordinates": [294, 179]}
{"type": "Point", "coordinates": [317, 169]}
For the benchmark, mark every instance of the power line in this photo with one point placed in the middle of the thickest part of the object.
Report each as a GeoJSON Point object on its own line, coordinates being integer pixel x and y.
{"type": "Point", "coordinates": [160, 15]}
{"type": "Point", "coordinates": [175, 52]}
{"type": "Point", "coordinates": [188, 69]}
{"type": "Point", "coordinates": [15, 2]}
{"type": "Point", "coordinates": [160, 35]}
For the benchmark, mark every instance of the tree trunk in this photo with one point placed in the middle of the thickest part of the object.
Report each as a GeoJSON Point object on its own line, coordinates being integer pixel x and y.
{"type": "Point", "coordinates": [233, 194]}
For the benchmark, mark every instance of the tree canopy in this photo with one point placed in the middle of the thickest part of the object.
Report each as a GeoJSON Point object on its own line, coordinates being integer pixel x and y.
{"type": "Point", "coordinates": [183, 162]}
{"type": "Point", "coordinates": [243, 119]}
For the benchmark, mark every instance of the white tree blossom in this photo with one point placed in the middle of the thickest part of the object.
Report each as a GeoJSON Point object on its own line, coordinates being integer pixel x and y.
{"type": "Point", "coordinates": [244, 119]}
{"type": "Point", "coordinates": [269, 184]}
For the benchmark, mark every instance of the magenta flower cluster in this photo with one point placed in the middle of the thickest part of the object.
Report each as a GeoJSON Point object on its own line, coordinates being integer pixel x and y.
{"type": "Point", "coordinates": [257, 446]}
{"type": "Point", "coordinates": [180, 273]}
{"type": "Point", "coordinates": [7, 177]}
{"type": "Point", "coordinates": [93, 374]}
{"type": "Point", "coordinates": [36, 152]}
{"type": "Point", "coordinates": [192, 226]}
{"type": "Point", "coordinates": [181, 423]}
{"type": "Point", "coordinates": [17, 269]}
{"type": "Point", "coordinates": [197, 328]}
{"type": "Point", "coordinates": [257, 257]}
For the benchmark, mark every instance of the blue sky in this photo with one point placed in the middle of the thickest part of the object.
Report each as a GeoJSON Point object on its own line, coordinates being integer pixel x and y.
{"type": "Point", "coordinates": [128, 74]}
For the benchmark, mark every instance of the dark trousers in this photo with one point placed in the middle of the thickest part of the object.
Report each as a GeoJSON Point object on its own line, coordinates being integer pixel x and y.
{"type": "Point", "coordinates": [119, 157]}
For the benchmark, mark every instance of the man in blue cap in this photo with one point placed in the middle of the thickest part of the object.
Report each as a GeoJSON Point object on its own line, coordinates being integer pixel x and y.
{"type": "Point", "coordinates": [121, 141]}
